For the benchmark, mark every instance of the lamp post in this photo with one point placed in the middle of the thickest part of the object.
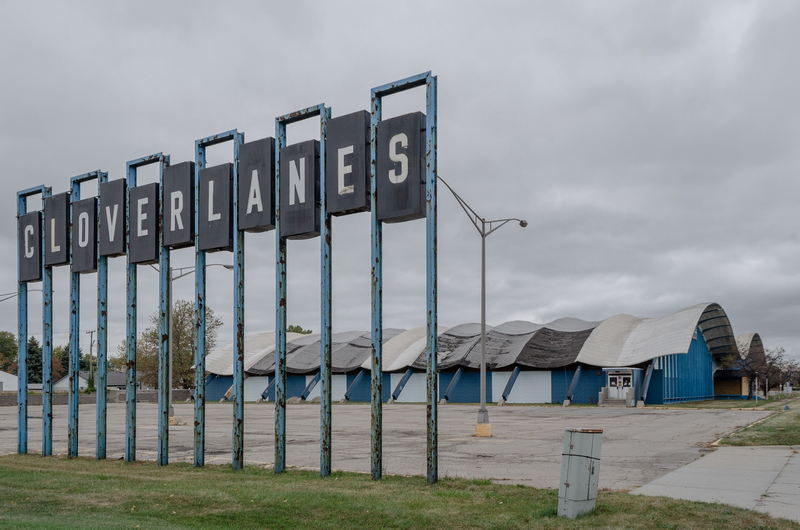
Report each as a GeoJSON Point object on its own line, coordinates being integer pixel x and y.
{"type": "Point", "coordinates": [182, 271]}
{"type": "Point", "coordinates": [485, 227]}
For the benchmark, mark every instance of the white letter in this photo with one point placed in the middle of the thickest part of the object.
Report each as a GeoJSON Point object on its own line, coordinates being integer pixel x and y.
{"type": "Point", "coordinates": [297, 181]}
{"type": "Point", "coordinates": [394, 156]}
{"type": "Point", "coordinates": [344, 169]}
{"type": "Point", "coordinates": [112, 221]}
{"type": "Point", "coordinates": [141, 216]}
{"type": "Point", "coordinates": [176, 200]}
{"type": "Point", "coordinates": [211, 215]}
{"type": "Point", "coordinates": [83, 229]}
{"type": "Point", "coordinates": [28, 231]}
{"type": "Point", "coordinates": [254, 197]}
{"type": "Point", "coordinates": [53, 246]}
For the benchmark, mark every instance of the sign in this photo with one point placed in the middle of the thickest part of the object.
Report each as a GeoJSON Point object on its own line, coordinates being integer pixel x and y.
{"type": "Point", "coordinates": [84, 235]}
{"type": "Point", "coordinates": [29, 242]}
{"type": "Point", "coordinates": [143, 227]}
{"type": "Point", "coordinates": [56, 236]}
{"type": "Point", "coordinates": [300, 190]}
{"type": "Point", "coordinates": [178, 221]}
{"type": "Point", "coordinates": [215, 225]}
{"type": "Point", "coordinates": [401, 168]}
{"type": "Point", "coordinates": [257, 185]}
{"type": "Point", "coordinates": [347, 164]}
{"type": "Point", "coordinates": [112, 222]}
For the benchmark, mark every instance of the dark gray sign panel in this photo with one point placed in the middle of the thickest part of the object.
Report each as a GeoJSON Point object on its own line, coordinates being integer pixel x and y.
{"type": "Point", "coordinates": [111, 218]}
{"type": "Point", "coordinates": [29, 246]}
{"type": "Point", "coordinates": [56, 233]}
{"type": "Point", "coordinates": [401, 168]}
{"type": "Point", "coordinates": [143, 229]}
{"type": "Point", "coordinates": [84, 235]}
{"type": "Point", "coordinates": [214, 228]}
{"type": "Point", "coordinates": [178, 222]}
{"type": "Point", "coordinates": [257, 185]}
{"type": "Point", "coordinates": [347, 164]}
{"type": "Point", "coordinates": [300, 190]}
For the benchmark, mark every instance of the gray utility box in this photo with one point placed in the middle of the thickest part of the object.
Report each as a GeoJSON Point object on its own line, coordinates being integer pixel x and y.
{"type": "Point", "coordinates": [580, 471]}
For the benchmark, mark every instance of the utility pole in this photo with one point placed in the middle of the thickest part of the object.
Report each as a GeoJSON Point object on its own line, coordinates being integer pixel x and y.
{"type": "Point", "coordinates": [91, 354]}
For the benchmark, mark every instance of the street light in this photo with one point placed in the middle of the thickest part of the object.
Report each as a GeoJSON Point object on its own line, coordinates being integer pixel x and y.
{"type": "Point", "coordinates": [182, 271]}
{"type": "Point", "coordinates": [484, 227]}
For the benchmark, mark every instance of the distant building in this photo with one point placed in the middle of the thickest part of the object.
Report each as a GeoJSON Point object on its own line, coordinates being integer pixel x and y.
{"type": "Point", "coordinates": [8, 382]}
{"type": "Point", "coordinates": [116, 380]}
{"type": "Point", "coordinates": [622, 360]}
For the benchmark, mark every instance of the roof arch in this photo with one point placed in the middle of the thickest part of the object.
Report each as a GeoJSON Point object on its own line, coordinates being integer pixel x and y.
{"type": "Point", "coordinates": [625, 340]}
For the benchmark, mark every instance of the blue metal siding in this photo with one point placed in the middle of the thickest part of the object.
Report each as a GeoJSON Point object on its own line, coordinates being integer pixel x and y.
{"type": "Point", "coordinates": [467, 388]}
{"type": "Point", "coordinates": [689, 376]}
{"type": "Point", "coordinates": [589, 385]}
{"type": "Point", "coordinates": [655, 392]}
{"type": "Point", "coordinates": [216, 386]}
{"type": "Point", "coordinates": [363, 390]}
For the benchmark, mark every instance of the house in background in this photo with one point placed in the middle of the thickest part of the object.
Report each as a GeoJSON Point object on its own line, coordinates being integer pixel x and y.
{"type": "Point", "coordinates": [115, 380]}
{"type": "Point", "coordinates": [8, 382]}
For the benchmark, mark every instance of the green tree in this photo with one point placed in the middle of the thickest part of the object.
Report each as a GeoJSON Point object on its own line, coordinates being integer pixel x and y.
{"type": "Point", "coordinates": [60, 357]}
{"type": "Point", "coordinates": [182, 346]}
{"type": "Point", "coordinates": [8, 352]}
{"type": "Point", "coordinates": [294, 328]}
{"type": "Point", "coordinates": [34, 360]}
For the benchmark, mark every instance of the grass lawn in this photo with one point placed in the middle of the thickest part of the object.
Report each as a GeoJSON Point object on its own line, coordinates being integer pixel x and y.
{"type": "Point", "coordinates": [56, 492]}
{"type": "Point", "coordinates": [767, 404]}
{"type": "Point", "coordinates": [781, 428]}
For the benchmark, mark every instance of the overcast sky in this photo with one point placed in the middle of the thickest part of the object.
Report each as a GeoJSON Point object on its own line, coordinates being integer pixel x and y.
{"type": "Point", "coordinates": [652, 146]}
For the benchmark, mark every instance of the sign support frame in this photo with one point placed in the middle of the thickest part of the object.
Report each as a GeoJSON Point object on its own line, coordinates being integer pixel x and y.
{"type": "Point", "coordinates": [377, 94]}
{"type": "Point", "coordinates": [325, 235]}
{"type": "Point", "coordinates": [237, 460]}
{"type": "Point", "coordinates": [74, 319]}
{"type": "Point", "coordinates": [131, 313]}
{"type": "Point", "coordinates": [22, 333]}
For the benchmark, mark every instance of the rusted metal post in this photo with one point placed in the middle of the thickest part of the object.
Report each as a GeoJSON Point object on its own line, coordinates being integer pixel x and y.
{"type": "Point", "coordinates": [238, 315]}
{"type": "Point", "coordinates": [199, 318]}
{"type": "Point", "coordinates": [101, 412]}
{"type": "Point", "coordinates": [47, 347]}
{"type": "Point", "coordinates": [279, 377]}
{"type": "Point", "coordinates": [130, 326]}
{"type": "Point", "coordinates": [376, 271]}
{"type": "Point", "coordinates": [73, 398]}
{"type": "Point", "coordinates": [326, 323]}
{"type": "Point", "coordinates": [432, 276]}
{"type": "Point", "coordinates": [164, 310]}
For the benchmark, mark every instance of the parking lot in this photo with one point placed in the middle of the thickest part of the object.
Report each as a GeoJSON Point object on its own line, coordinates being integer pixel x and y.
{"type": "Point", "coordinates": [639, 445]}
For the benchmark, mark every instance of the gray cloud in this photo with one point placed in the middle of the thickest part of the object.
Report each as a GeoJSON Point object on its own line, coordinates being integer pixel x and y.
{"type": "Point", "coordinates": [650, 145]}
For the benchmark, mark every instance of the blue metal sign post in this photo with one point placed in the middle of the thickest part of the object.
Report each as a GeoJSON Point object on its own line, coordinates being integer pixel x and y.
{"type": "Point", "coordinates": [47, 347]}
{"type": "Point", "coordinates": [281, 122]}
{"type": "Point", "coordinates": [429, 81]}
{"type": "Point", "coordinates": [22, 333]}
{"type": "Point", "coordinates": [131, 312]}
{"type": "Point", "coordinates": [200, 307]}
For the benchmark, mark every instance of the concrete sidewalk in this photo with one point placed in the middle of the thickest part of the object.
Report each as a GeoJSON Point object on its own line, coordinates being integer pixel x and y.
{"type": "Point", "coordinates": [764, 478]}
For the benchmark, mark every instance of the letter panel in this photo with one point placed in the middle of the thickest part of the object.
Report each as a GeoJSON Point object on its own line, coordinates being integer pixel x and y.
{"type": "Point", "coordinates": [144, 225]}
{"type": "Point", "coordinates": [111, 218]}
{"type": "Point", "coordinates": [84, 235]}
{"type": "Point", "coordinates": [56, 233]}
{"type": "Point", "coordinates": [300, 190]}
{"type": "Point", "coordinates": [347, 164]}
{"type": "Point", "coordinates": [401, 168]}
{"type": "Point", "coordinates": [257, 185]}
{"type": "Point", "coordinates": [178, 221]}
{"type": "Point", "coordinates": [214, 230]}
{"type": "Point", "coordinates": [29, 246]}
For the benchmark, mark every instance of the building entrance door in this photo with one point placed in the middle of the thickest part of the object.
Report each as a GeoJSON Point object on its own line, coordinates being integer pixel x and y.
{"type": "Point", "coordinates": [618, 386]}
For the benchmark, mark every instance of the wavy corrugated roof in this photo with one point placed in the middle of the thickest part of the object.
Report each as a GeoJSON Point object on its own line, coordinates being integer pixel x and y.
{"type": "Point", "coordinates": [621, 340]}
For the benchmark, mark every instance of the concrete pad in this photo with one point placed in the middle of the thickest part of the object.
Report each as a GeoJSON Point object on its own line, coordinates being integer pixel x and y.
{"type": "Point", "coordinates": [639, 445]}
{"type": "Point", "coordinates": [766, 479]}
